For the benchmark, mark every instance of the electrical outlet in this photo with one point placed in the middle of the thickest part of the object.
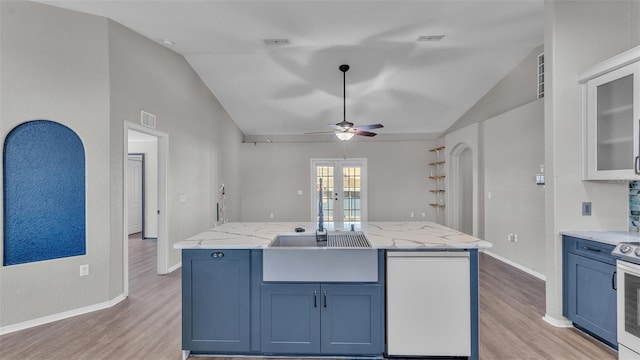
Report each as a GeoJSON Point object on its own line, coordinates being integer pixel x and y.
{"type": "Point", "coordinates": [424, 214]}
{"type": "Point", "coordinates": [586, 208]}
{"type": "Point", "coordinates": [412, 214]}
{"type": "Point", "coordinates": [299, 192]}
{"type": "Point", "coordinates": [515, 237]}
{"type": "Point", "coordinates": [271, 215]}
{"type": "Point", "coordinates": [84, 270]}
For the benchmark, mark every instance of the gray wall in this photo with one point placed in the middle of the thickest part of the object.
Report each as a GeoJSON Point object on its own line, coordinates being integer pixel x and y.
{"type": "Point", "coordinates": [518, 88]}
{"type": "Point", "coordinates": [511, 149]}
{"type": "Point", "coordinates": [91, 75]}
{"type": "Point", "coordinates": [146, 75]}
{"type": "Point", "coordinates": [578, 34]}
{"type": "Point", "coordinates": [54, 65]}
{"type": "Point", "coordinates": [272, 174]}
{"type": "Point", "coordinates": [513, 152]}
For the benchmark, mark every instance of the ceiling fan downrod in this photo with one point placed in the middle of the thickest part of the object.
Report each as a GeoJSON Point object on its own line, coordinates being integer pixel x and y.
{"type": "Point", "coordinates": [345, 124]}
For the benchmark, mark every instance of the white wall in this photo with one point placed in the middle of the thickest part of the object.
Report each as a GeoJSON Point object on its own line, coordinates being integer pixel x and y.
{"type": "Point", "coordinates": [150, 151]}
{"type": "Point", "coordinates": [54, 66]}
{"type": "Point", "coordinates": [272, 174]}
{"type": "Point", "coordinates": [578, 34]}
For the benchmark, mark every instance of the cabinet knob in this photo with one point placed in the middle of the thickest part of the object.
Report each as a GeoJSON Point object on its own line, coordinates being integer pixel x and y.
{"type": "Point", "coordinates": [217, 254]}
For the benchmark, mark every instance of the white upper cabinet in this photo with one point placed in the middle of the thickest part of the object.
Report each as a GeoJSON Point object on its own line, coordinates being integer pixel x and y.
{"type": "Point", "coordinates": [611, 118]}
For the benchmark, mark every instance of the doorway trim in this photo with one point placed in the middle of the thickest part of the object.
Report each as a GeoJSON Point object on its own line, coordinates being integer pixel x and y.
{"type": "Point", "coordinates": [163, 225]}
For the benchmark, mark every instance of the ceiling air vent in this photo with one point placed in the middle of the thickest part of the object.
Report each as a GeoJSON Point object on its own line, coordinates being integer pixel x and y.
{"type": "Point", "coordinates": [430, 38]}
{"type": "Point", "coordinates": [147, 119]}
{"type": "Point", "coordinates": [276, 42]}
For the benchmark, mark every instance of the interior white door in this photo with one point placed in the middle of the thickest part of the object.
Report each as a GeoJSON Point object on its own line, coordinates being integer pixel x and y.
{"type": "Point", "coordinates": [134, 191]}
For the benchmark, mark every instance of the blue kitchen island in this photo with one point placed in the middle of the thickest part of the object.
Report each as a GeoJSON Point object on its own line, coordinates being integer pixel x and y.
{"type": "Point", "coordinates": [245, 294]}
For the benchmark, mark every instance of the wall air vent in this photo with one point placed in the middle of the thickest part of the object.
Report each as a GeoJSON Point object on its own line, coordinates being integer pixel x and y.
{"type": "Point", "coordinates": [147, 119]}
{"type": "Point", "coordinates": [541, 76]}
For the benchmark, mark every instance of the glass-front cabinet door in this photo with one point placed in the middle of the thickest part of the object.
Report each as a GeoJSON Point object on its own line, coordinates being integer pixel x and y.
{"type": "Point", "coordinates": [612, 124]}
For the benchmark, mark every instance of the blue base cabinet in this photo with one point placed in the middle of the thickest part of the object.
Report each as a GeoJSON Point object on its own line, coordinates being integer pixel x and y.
{"type": "Point", "coordinates": [290, 318]}
{"type": "Point", "coordinates": [328, 319]}
{"type": "Point", "coordinates": [352, 319]}
{"type": "Point", "coordinates": [589, 290]}
{"type": "Point", "coordinates": [216, 311]}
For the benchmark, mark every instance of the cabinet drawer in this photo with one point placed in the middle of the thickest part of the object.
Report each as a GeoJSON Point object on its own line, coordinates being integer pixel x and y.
{"type": "Point", "coordinates": [590, 249]}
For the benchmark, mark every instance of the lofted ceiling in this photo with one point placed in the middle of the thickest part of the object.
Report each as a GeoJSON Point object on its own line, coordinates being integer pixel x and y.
{"type": "Point", "coordinates": [409, 86]}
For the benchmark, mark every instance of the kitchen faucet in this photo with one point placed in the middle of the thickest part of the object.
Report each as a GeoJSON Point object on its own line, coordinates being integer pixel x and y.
{"type": "Point", "coordinates": [320, 233]}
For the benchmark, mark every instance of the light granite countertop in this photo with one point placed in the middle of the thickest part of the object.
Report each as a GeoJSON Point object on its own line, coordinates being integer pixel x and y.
{"type": "Point", "coordinates": [605, 237]}
{"type": "Point", "coordinates": [412, 235]}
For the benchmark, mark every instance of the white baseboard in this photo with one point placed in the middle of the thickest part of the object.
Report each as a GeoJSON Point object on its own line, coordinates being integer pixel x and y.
{"type": "Point", "coordinates": [562, 323]}
{"type": "Point", "coordinates": [63, 315]}
{"type": "Point", "coordinates": [174, 268]}
{"type": "Point", "coordinates": [516, 265]}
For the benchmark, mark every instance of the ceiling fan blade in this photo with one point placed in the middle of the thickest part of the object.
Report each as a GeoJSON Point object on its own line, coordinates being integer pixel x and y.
{"type": "Point", "coordinates": [369, 127]}
{"type": "Point", "coordinates": [365, 133]}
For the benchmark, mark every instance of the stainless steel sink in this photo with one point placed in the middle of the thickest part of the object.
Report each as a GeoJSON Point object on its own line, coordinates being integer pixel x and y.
{"type": "Point", "coordinates": [344, 257]}
{"type": "Point", "coordinates": [338, 239]}
{"type": "Point", "coordinates": [304, 241]}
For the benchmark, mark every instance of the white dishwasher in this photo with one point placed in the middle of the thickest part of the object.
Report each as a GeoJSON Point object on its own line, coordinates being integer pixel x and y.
{"type": "Point", "coordinates": [428, 303]}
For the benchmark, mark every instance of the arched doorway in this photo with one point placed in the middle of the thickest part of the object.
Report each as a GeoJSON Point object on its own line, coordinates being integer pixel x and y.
{"type": "Point", "coordinates": [461, 185]}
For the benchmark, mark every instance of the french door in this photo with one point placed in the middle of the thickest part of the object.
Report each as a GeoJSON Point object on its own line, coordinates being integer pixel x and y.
{"type": "Point", "coordinates": [344, 190]}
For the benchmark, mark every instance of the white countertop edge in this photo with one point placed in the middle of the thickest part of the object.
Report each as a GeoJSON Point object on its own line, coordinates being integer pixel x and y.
{"type": "Point", "coordinates": [605, 237]}
{"type": "Point", "coordinates": [381, 235]}
{"type": "Point", "coordinates": [485, 245]}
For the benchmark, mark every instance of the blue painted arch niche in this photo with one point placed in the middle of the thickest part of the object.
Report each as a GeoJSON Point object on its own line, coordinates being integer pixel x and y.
{"type": "Point", "coordinates": [44, 193]}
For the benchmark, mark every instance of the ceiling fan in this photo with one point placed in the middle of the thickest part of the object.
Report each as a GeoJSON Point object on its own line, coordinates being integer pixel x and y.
{"type": "Point", "coordinates": [344, 130]}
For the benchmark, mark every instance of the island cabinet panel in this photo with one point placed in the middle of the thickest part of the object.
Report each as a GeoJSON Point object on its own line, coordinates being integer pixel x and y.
{"type": "Point", "coordinates": [216, 300]}
{"type": "Point", "coordinates": [290, 318]}
{"type": "Point", "coordinates": [329, 319]}
{"type": "Point", "coordinates": [352, 317]}
{"type": "Point", "coordinates": [590, 287]}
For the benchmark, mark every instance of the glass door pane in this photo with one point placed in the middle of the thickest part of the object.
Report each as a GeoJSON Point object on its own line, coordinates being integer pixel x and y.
{"type": "Point", "coordinates": [614, 114]}
{"type": "Point", "coordinates": [325, 174]}
{"type": "Point", "coordinates": [352, 206]}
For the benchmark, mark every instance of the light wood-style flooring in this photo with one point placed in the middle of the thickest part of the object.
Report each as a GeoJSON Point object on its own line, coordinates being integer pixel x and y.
{"type": "Point", "coordinates": [147, 324]}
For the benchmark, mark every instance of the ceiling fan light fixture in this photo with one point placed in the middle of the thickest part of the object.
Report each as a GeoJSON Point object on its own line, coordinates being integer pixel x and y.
{"type": "Point", "coordinates": [344, 136]}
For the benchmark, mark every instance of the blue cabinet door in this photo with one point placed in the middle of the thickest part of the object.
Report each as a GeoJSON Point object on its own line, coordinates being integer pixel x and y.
{"type": "Point", "coordinates": [216, 300]}
{"type": "Point", "coordinates": [290, 315]}
{"type": "Point", "coordinates": [352, 319]}
{"type": "Point", "coordinates": [591, 302]}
